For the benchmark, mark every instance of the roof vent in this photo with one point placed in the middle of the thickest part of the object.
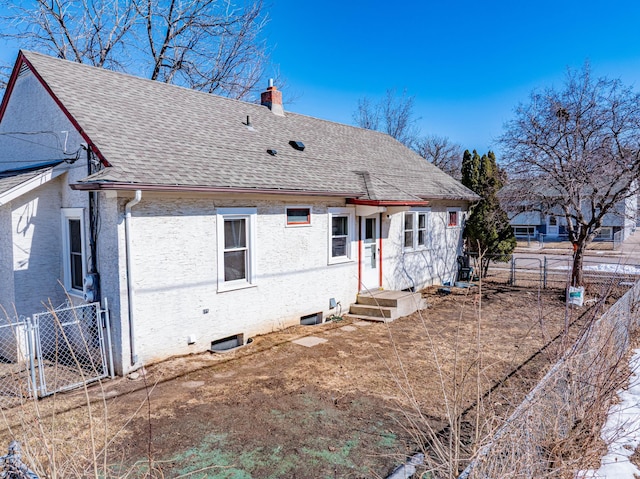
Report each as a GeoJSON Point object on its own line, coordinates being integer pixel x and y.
{"type": "Point", "coordinates": [272, 152]}
{"type": "Point", "coordinates": [298, 145]}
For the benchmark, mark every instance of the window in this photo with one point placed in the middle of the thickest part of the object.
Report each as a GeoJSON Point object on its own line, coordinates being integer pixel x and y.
{"type": "Point", "coordinates": [236, 244]}
{"type": "Point", "coordinates": [422, 229]}
{"type": "Point", "coordinates": [605, 233]}
{"type": "Point", "coordinates": [415, 230]}
{"type": "Point", "coordinates": [453, 218]}
{"type": "Point", "coordinates": [408, 230]}
{"type": "Point", "coordinates": [73, 249]}
{"type": "Point", "coordinates": [297, 216]}
{"type": "Point", "coordinates": [524, 231]}
{"type": "Point", "coordinates": [341, 231]}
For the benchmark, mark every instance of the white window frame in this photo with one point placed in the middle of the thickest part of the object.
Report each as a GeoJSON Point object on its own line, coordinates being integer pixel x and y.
{"type": "Point", "coordinates": [297, 207]}
{"type": "Point", "coordinates": [531, 231]}
{"type": "Point", "coordinates": [609, 236]}
{"type": "Point", "coordinates": [72, 214]}
{"type": "Point", "coordinates": [349, 213]}
{"type": "Point", "coordinates": [458, 212]}
{"type": "Point", "coordinates": [416, 229]}
{"type": "Point", "coordinates": [250, 216]}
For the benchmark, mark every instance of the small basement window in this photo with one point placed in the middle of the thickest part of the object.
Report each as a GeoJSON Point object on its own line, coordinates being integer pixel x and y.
{"type": "Point", "coordinates": [311, 319]}
{"type": "Point", "coordinates": [297, 216]}
{"type": "Point", "coordinates": [227, 344]}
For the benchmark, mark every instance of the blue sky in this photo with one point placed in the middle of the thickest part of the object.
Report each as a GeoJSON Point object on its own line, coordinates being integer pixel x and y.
{"type": "Point", "coordinates": [467, 63]}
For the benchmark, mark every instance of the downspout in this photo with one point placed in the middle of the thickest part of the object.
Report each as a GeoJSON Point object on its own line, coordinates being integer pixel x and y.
{"type": "Point", "coordinates": [130, 287]}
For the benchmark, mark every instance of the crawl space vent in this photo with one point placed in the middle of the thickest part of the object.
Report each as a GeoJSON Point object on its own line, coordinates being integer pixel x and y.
{"type": "Point", "coordinates": [227, 344]}
{"type": "Point", "coordinates": [311, 319]}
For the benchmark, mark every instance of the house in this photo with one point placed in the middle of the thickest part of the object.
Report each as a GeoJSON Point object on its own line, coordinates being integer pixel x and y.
{"type": "Point", "coordinates": [541, 217]}
{"type": "Point", "coordinates": [200, 217]}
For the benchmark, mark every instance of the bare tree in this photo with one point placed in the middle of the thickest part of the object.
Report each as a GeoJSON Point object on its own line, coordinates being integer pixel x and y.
{"type": "Point", "coordinates": [367, 115]}
{"type": "Point", "coordinates": [575, 152]}
{"type": "Point", "coordinates": [442, 153]}
{"type": "Point", "coordinates": [205, 45]}
{"type": "Point", "coordinates": [393, 115]}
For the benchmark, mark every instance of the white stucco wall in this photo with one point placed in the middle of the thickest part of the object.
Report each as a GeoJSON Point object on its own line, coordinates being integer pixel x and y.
{"type": "Point", "coordinates": [174, 244]}
{"type": "Point", "coordinates": [42, 131]}
{"type": "Point", "coordinates": [7, 297]}
{"type": "Point", "coordinates": [436, 263]}
{"type": "Point", "coordinates": [36, 232]}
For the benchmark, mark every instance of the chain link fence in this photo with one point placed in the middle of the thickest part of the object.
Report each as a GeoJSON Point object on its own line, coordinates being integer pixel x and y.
{"type": "Point", "coordinates": [70, 348]}
{"type": "Point", "coordinates": [529, 444]}
{"type": "Point", "coordinates": [14, 363]}
{"type": "Point", "coordinates": [542, 271]}
{"type": "Point", "coordinates": [53, 351]}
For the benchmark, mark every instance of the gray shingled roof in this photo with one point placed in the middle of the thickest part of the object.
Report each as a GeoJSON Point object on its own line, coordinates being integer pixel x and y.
{"type": "Point", "coordinates": [157, 134]}
{"type": "Point", "coordinates": [10, 181]}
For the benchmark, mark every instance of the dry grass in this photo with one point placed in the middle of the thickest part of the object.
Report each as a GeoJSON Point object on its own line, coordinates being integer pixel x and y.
{"type": "Point", "coordinates": [478, 383]}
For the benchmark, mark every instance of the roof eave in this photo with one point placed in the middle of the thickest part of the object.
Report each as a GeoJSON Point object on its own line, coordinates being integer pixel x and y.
{"type": "Point", "coordinates": [120, 186]}
{"type": "Point", "coordinates": [30, 184]}
{"type": "Point", "coordinates": [356, 201]}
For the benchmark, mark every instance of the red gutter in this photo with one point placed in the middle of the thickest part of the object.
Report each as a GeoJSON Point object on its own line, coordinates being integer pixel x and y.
{"type": "Point", "coordinates": [118, 186]}
{"type": "Point", "coordinates": [14, 75]}
{"type": "Point", "coordinates": [355, 201]}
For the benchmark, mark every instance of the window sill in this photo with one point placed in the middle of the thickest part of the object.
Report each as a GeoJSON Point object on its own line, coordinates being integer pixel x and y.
{"type": "Point", "coordinates": [223, 288]}
{"type": "Point", "coordinates": [75, 293]}
{"type": "Point", "coordinates": [340, 260]}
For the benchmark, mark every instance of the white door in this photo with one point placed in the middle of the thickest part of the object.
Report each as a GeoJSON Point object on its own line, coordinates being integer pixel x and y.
{"type": "Point", "coordinates": [552, 226]}
{"type": "Point", "coordinates": [369, 261]}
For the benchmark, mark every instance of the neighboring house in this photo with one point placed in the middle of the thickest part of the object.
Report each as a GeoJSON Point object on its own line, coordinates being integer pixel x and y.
{"type": "Point", "coordinates": [530, 220]}
{"type": "Point", "coordinates": [200, 217]}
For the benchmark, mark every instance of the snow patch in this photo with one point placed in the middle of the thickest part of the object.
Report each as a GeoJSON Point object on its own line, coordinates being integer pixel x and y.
{"type": "Point", "coordinates": [621, 432]}
{"type": "Point", "coordinates": [608, 268]}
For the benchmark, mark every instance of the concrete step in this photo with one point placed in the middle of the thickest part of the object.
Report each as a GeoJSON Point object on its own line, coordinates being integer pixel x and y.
{"type": "Point", "coordinates": [405, 302]}
{"type": "Point", "coordinates": [385, 306]}
{"type": "Point", "coordinates": [372, 310]}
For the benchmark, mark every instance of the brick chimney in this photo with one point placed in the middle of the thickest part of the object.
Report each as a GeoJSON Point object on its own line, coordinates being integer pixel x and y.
{"type": "Point", "coordinates": [272, 99]}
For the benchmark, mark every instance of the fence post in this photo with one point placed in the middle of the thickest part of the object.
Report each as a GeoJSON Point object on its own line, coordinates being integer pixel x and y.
{"type": "Point", "coordinates": [31, 347]}
{"type": "Point", "coordinates": [512, 279]}
{"type": "Point", "coordinates": [544, 276]}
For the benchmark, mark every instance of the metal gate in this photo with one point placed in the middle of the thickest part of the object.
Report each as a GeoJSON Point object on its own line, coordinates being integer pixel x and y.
{"type": "Point", "coordinates": [70, 348]}
{"type": "Point", "coordinates": [54, 351]}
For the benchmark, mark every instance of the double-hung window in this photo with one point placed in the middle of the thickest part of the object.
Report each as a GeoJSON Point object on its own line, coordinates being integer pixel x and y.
{"type": "Point", "coordinates": [73, 253]}
{"type": "Point", "coordinates": [341, 234]}
{"type": "Point", "coordinates": [236, 247]}
{"type": "Point", "coordinates": [414, 230]}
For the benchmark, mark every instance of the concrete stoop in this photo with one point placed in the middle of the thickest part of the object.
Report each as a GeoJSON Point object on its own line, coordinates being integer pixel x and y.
{"type": "Point", "coordinates": [385, 306]}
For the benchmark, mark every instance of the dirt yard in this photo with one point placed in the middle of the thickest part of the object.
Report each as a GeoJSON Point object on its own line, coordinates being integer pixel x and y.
{"type": "Point", "coordinates": [353, 406]}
